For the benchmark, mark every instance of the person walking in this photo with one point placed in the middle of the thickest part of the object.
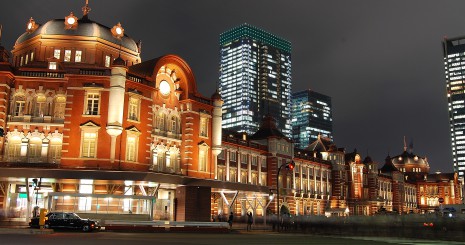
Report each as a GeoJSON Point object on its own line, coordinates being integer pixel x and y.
{"type": "Point", "coordinates": [230, 220]}
{"type": "Point", "coordinates": [249, 221]}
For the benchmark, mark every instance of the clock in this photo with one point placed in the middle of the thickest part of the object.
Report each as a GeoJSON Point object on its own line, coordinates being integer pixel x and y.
{"type": "Point", "coordinates": [165, 87]}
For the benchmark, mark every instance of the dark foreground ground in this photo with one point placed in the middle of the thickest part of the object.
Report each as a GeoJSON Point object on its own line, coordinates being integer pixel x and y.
{"type": "Point", "coordinates": [241, 238]}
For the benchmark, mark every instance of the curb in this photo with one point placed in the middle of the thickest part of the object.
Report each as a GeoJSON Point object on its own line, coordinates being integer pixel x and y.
{"type": "Point", "coordinates": [25, 231]}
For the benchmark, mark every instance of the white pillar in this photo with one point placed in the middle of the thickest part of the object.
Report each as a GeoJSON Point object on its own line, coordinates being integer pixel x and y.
{"type": "Point", "coordinates": [116, 104]}
{"type": "Point", "coordinates": [216, 129]}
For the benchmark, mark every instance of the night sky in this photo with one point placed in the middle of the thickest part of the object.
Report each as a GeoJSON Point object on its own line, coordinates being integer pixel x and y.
{"type": "Point", "coordinates": [380, 61]}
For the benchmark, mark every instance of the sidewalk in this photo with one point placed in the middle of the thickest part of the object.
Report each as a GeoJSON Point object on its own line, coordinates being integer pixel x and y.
{"type": "Point", "coordinates": [12, 226]}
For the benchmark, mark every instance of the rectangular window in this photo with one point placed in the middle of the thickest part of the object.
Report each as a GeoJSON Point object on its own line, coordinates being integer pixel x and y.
{"type": "Point", "coordinates": [131, 149]}
{"type": "Point", "coordinates": [78, 56]}
{"type": "Point", "coordinates": [67, 57]}
{"type": "Point", "coordinates": [52, 65]}
{"type": "Point", "coordinates": [107, 61]}
{"type": "Point", "coordinates": [221, 155]}
{"type": "Point", "coordinates": [89, 143]}
{"type": "Point", "coordinates": [204, 127]}
{"type": "Point", "coordinates": [203, 160]}
{"type": "Point", "coordinates": [86, 187]}
{"type": "Point", "coordinates": [19, 108]}
{"type": "Point", "coordinates": [56, 53]}
{"type": "Point", "coordinates": [21, 62]}
{"type": "Point", "coordinates": [35, 148]}
{"type": "Point", "coordinates": [133, 110]}
{"type": "Point", "coordinates": [27, 58]}
{"type": "Point", "coordinates": [263, 178]}
{"type": "Point", "coordinates": [244, 158]}
{"type": "Point", "coordinates": [32, 56]}
{"type": "Point", "coordinates": [54, 152]}
{"type": "Point", "coordinates": [92, 103]}
{"type": "Point", "coordinates": [232, 156]}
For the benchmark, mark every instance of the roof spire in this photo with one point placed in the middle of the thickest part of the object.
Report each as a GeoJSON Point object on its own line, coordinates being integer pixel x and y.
{"type": "Point", "coordinates": [86, 9]}
{"type": "Point", "coordinates": [405, 144]}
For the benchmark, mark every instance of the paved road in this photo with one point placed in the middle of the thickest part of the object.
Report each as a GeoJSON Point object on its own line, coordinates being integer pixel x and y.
{"type": "Point", "coordinates": [241, 238]}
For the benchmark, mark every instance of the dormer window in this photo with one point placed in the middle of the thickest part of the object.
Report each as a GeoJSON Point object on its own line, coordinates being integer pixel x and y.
{"type": "Point", "coordinates": [107, 61]}
{"type": "Point", "coordinates": [52, 65]}
{"type": "Point", "coordinates": [78, 56]}
{"type": "Point", "coordinates": [56, 53]}
{"type": "Point", "coordinates": [67, 57]}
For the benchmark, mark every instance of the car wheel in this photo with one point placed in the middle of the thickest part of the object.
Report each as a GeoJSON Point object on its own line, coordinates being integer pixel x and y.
{"type": "Point", "coordinates": [86, 228]}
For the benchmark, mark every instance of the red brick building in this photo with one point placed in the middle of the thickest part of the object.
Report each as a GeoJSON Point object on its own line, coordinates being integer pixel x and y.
{"type": "Point", "coordinates": [86, 126]}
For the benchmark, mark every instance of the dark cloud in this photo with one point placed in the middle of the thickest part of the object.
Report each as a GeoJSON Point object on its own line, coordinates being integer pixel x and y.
{"type": "Point", "coordinates": [380, 61]}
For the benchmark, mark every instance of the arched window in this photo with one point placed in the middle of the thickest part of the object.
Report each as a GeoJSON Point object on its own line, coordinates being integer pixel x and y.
{"type": "Point", "coordinates": [59, 108]}
{"type": "Point", "coordinates": [161, 121]}
{"type": "Point", "coordinates": [40, 108]}
{"type": "Point", "coordinates": [34, 149]}
{"type": "Point", "coordinates": [54, 152]}
{"type": "Point", "coordinates": [14, 148]}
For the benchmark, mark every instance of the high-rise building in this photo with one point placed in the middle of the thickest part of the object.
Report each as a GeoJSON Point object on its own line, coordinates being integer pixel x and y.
{"type": "Point", "coordinates": [454, 61]}
{"type": "Point", "coordinates": [255, 79]}
{"type": "Point", "coordinates": [311, 116]}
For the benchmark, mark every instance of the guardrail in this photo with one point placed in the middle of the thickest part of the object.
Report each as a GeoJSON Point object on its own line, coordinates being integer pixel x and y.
{"type": "Point", "coordinates": [164, 223]}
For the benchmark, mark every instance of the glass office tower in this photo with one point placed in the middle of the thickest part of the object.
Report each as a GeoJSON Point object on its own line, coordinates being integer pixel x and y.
{"type": "Point", "coordinates": [454, 61]}
{"type": "Point", "coordinates": [311, 116]}
{"type": "Point", "coordinates": [255, 79]}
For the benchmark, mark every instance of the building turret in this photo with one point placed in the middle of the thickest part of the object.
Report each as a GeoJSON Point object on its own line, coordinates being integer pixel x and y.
{"type": "Point", "coordinates": [116, 103]}
{"type": "Point", "coordinates": [216, 127]}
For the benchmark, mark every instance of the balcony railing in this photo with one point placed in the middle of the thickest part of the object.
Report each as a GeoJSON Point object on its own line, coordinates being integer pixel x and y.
{"type": "Point", "coordinates": [37, 162]}
{"type": "Point", "coordinates": [42, 74]}
{"type": "Point", "coordinates": [166, 134]}
{"type": "Point", "coordinates": [35, 119]}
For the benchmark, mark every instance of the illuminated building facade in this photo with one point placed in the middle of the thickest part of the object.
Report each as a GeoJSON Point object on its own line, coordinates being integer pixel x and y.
{"type": "Point", "coordinates": [88, 127]}
{"type": "Point", "coordinates": [255, 79]}
{"type": "Point", "coordinates": [311, 116]}
{"type": "Point", "coordinates": [454, 62]}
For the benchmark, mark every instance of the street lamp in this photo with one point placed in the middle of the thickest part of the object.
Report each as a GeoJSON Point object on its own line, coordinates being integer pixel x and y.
{"type": "Point", "coordinates": [289, 166]}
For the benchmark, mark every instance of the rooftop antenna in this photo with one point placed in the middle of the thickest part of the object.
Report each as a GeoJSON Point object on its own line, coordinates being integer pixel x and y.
{"type": "Point", "coordinates": [86, 9]}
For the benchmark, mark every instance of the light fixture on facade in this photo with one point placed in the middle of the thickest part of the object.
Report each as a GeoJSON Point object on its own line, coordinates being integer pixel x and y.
{"type": "Point", "coordinates": [71, 22]}
{"type": "Point", "coordinates": [31, 25]}
{"type": "Point", "coordinates": [117, 31]}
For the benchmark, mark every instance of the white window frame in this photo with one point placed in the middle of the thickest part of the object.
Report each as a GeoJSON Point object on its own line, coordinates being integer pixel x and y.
{"type": "Point", "coordinates": [67, 56]}
{"type": "Point", "coordinates": [89, 129]}
{"type": "Point", "coordinates": [57, 53]}
{"type": "Point", "coordinates": [78, 56]}
{"type": "Point", "coordinates": [92, 97]}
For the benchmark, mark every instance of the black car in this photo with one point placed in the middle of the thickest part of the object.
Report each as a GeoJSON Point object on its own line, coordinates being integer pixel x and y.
{"type": "Point", "coordinates": [66, 220]}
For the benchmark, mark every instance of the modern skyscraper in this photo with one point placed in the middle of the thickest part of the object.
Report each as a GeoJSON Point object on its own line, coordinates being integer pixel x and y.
{"type": "Point", "coordinates": [255, 79]}
{"type": "Point", "coordinates": [454, 61]}
{"type": "Point", "coordinates": [311, 116]}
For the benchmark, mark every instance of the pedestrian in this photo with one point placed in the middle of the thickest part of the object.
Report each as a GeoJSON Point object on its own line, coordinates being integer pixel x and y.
{"type": "Point", "coordinates": [230, 220]}
{"type": "Point", "coordinates": [249, 221]}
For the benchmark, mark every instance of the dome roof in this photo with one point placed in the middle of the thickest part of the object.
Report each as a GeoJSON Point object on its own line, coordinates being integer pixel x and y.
{"type": "Point", "coordinates": [85, 27]}
{"type": "Point", "coordinates": [409, 158]}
